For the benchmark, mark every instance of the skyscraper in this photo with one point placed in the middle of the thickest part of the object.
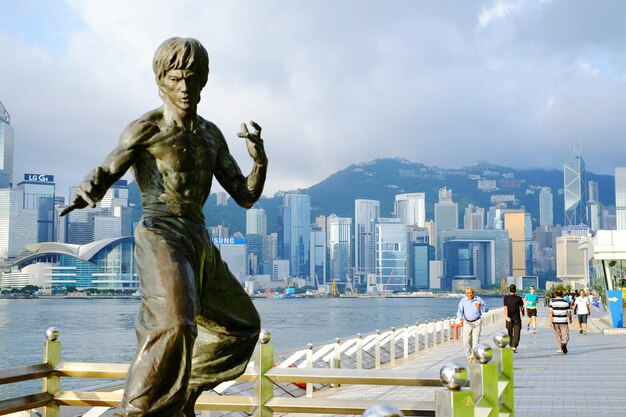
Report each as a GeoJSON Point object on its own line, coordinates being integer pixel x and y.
{"type": "Point", "coordinates": [446, 211]}
{"type": "Point", "coordinates": [575, 191]}
{"type": "Point", "coordinates": [366, 214]}
{"type": "Point", "coordinates": [594, 208]}
{"type": "Point", "coordinates": [411, 208]}
{"type": "Point", "coordinates": [256, 229]}
{"type": "Point", "coordinates": [515, 224]}
{"type": "Point", "coordinates": [18, 226]}
{"type": "Point", "coordinates": [6, 148]}
{"type": "Point", "coordinates": [620, 197]}
{"type": "Point", "coordinates": [296, 219]}
{"type": "Point", "coordinates": [339, 249]}
{"type": "Point", "coordinates": [318, 252]}
{"type": "Point", "coordinates": [391, 254]}
{"type": "Point", "coordinates": [474, 218]}
{"type": "Point", "coordinates": [39, 195]}
{"type": "Point", "coordinates": [546, 207]}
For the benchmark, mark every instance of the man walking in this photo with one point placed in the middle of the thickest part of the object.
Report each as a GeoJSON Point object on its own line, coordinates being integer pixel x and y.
{"type": "Point", "coordinates": [469, 313]}
{"type": "Point", "coordinates": [558, 318]}
{"type": "Point", "coordinates": [583, 310]}
{"type": "Point", "coordinates": [530, 300]}
{"type": "Point", "coordinates": [513, 312]}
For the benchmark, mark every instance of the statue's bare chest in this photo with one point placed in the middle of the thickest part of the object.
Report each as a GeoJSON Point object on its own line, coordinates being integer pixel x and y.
{"type": "Point", "coordinates": [184, 152]}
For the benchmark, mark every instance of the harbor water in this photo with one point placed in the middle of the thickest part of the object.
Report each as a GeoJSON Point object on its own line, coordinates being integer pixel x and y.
{"type": "Point", "coordinates": [102, 330]}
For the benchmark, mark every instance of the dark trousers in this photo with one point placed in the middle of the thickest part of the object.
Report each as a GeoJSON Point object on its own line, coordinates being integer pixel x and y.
{"type": "Point", "coordinates": [514, 330]}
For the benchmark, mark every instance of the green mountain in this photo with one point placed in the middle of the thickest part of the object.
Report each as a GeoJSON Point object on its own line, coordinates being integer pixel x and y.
{"type": "Point", "coordinates": [382, 179]}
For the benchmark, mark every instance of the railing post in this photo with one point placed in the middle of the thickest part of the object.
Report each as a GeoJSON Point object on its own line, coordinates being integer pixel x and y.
{"type": "Point", "coordinates": [52, 384]}
{"type": "Point", "coordinates": [309, 364]}
{"type": "Point", "coordinates": [359, 351]}
{"type": "Point", "coordinates": [417, 337]}
{"type": "Point", "coordinates": [435, 337]}
{"type": "Point", "coordinates": [484, 381]}
{"type": "Point", "coordinates": [336, 361]}
{"type": "Point", "coordinates": [427, 336]}
{"type": "Point", "coordinates": [392, 346]}
{"type": "Point", "coordinates": [405, 348]}
{"type": "Point", "coordinates": [450, 329]}
{"type": "Point", "coordinates": [263, 386]}
{"type": "Point", "coordinates": [442, 331]}
{"type": "Point", "coordinates": [377, 350]}
{"type": "Point", "coordinates": [503, 357]}
{"type": "Point", "coordinates": [454, 401]}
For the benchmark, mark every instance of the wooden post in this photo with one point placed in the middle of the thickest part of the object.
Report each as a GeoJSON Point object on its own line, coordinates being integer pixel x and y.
{"type": "Point", "coordinates": [52, 384]}
{"type": "Point", "coordinates": [309, 364]}
{"type": "Point", "coordinates": [392, 346]}
{"type": "Point", "coordinates": [405, 348]}
{"type": "Point", "coordinates": [377, 350]}
{"type": "Point", "coordinates": [359, 351]}
{"type": "Point", "coordinates": [263, 386]}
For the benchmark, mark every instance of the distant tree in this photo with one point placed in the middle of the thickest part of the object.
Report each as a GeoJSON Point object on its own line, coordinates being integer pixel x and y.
{"type": "Point", "coordinates": [29, 289]}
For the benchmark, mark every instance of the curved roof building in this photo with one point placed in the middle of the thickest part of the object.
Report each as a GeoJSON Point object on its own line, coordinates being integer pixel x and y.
{"type": "Point", "coordinates": [103, 264]}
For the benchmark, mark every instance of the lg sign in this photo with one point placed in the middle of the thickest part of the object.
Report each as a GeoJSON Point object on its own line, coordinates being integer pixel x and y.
{"type": "Point", "coordinates": [39, 177]}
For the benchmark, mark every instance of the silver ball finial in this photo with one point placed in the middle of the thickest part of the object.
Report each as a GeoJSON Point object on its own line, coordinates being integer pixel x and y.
{"type": "Point", "coordinates": [501, 339]}
{"type": "Point", "coordinates": [483, 353]}
{"type": "Point", "coordinates": [52, 334]}
{"type": "Point", "coordinates": [383, 410]}
{"type": "Point", "coordinates": [453, 375]}
{"type": "Point", "coordinates": [265, 337]}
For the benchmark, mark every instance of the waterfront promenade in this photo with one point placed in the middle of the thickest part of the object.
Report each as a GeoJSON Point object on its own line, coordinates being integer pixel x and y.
{"type": "Point", "coordinates": [589, 381]}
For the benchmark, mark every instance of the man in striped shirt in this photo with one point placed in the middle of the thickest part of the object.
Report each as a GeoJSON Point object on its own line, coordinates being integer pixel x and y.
{"type": "Point", "coordinates": [558, 318]}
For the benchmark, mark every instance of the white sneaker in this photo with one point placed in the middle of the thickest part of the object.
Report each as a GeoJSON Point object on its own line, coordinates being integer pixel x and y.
{"type": "Point", "coordinates": [514, 349]}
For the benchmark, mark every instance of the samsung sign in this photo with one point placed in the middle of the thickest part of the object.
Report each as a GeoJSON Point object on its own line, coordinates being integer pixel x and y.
{"type": "Point", "coordinates": [229, 241]}
{"type": "Point", "coordinates": [38, 178]}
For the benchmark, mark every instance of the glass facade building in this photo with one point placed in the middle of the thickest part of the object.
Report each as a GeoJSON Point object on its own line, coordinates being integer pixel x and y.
{"type": "Point", "coordinates": [391, 254]}
{"type": "Point", "coordinates": [366, 214]}
{"type": "Point", "coordinates": [575, 191]}
{"type": "Point", "coordinates": [620, 198]}
{"type": "Point", "coordinates": [296, 233]}
{"type": "Point", "coordinates": [6, 148]}
{"type": "Point", "coordinates": [105, 264]}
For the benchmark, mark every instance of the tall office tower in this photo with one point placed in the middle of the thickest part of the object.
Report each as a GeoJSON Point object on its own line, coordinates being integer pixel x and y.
{"type": "Point", "coordinates": [39, 195]}
{"type": "Point", "coordinates": [233, 252]}
{"type": "Point", "coordinates": [221, 198]}
{"type": "Point", "coordinates": [296, 214]}
{"type": "Point", "coordinates": [60, 225]}
{"type": "Point", "coordinates": [318, 254]}
{"type": "Point", "coordinates": [256, 229]}
{"type": "Point", "coordinates": [620, 197]}
{"type": "Point", "coordinates": [528, 242]}
{"type": "Point", "coordinates": [515, 224]}
{"type": "Point", "coordinates": [594, 208]}
{"type": "Point", "coordinates": [18, 225]}
{"type": "Point", "coordinates": [219, 231]}
{"type": "Point", "coordinates": [421, 253]}
{"type": "Point", "coordinates": [474, 218]}
{"type": "Point", "coordinates": [366, 214]}
{"type": "Point", "coordinates": [391, 254]}
{"type": "Point", "coordinates": [446, 211]}
{"type": "Point", "coordinates": [6, 148]}
{"type": "Point", "coordinates": [546, 208]}
{"type": "Point", "coordinates": [338, 236]}
{"type": "Point", "coordinates": [411, 208]}
{"type": "Point", "coordinates": [575, 191]}
{"type": "Point", "coordinates": [270, 251]}
{"type": "Point", "coordinates": [495, 217]}
{"type": "Point", "coordinates": [608, 219]}
{"type": "Point", "coordinates": [115, 203]}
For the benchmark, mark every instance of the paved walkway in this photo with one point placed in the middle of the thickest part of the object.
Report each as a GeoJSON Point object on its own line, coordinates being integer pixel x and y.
{"type": "Point", "coordinates": [589, 381]}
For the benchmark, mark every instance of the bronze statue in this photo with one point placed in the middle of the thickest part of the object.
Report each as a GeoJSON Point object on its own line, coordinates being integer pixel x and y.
{"type": "Point", "coordinates": [196, 326]}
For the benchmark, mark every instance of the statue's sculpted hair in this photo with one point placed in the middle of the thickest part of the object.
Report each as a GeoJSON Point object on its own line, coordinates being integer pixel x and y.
{"type": "Point", "coordinates": [181, 53]}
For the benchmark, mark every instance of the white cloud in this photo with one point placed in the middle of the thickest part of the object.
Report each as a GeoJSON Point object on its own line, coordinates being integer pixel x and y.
{"type": "Point", "coordinates": [332, 83]}
{"type": "Point", "coordinates": [498, 10]}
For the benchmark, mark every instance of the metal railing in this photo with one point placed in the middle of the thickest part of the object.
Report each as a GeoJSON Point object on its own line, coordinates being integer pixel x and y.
{"type": "Point", "coordinates": [491, 384]}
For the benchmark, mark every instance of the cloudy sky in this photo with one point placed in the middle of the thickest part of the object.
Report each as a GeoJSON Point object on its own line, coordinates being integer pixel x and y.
{"type": "Point", "coordinates": [512, 82]}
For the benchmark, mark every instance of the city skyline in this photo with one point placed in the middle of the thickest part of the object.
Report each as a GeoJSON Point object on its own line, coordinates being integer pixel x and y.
{"type": "Point", "coordinates": [516, 83]}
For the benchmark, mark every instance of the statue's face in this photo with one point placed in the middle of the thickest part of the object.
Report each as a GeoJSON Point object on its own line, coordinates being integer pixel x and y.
{"type": "Point", "coordinates": [181, 88]}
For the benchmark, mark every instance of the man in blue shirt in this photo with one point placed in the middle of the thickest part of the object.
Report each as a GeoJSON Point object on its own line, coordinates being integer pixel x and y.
{"type": "Point", "coordinates": [471, 308]}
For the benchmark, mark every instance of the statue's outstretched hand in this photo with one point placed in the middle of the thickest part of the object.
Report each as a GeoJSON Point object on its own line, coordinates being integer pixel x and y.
{"type": "Point", "coordinates": [254, 142]}
{"type": "Point", "coordinates": [84, 193]}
